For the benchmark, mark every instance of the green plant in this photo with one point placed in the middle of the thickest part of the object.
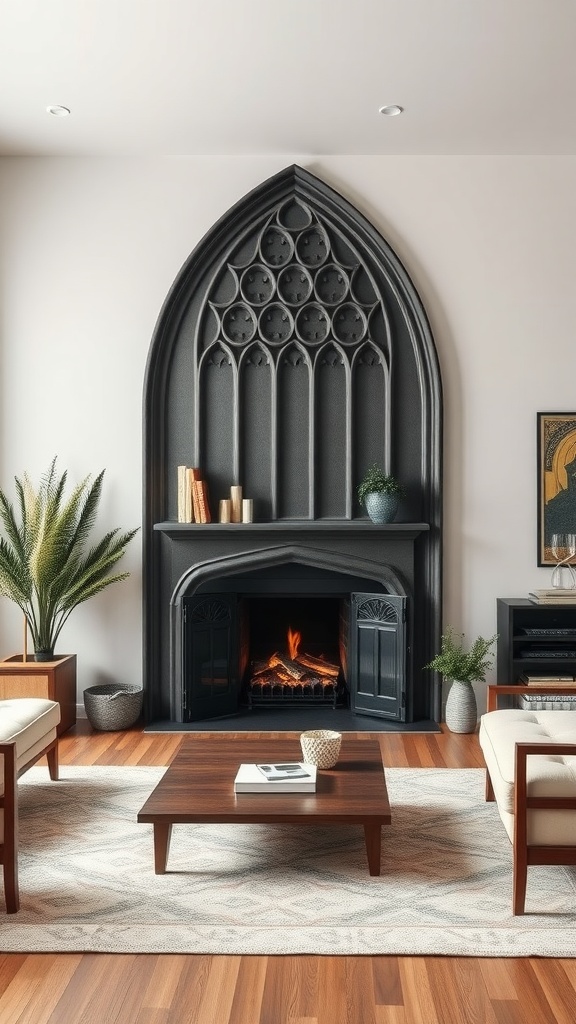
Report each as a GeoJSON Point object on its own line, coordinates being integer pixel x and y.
{"type": "Point", "coordinates": [454, 662]}
{"type": "Point", "coordinates": [44, 565]}
{"type": "Point", "coordinates": [377, 481]}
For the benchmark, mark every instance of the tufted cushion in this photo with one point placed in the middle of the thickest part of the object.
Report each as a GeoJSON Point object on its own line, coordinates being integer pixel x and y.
{"type": "Point", "coordinates": [547, 775]}
{"type": "Point", "coordinates": [31, 723]}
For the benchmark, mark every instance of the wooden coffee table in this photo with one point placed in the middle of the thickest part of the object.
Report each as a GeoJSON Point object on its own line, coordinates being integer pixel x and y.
{"type": "Point", "coordinates": [198, 787]}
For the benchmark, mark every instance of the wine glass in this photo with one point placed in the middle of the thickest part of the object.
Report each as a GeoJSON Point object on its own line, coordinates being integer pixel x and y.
{"type": "Point", "coordinates": [563, 547]}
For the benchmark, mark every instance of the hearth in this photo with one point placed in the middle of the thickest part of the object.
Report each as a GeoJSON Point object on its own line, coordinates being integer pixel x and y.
{"type": "Point", "coordinates": [291, 353]}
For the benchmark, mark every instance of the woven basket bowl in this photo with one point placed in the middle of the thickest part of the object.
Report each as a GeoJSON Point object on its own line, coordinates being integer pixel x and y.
{"type": "Point", "coordinates": [320, 747]}
{"type": "Point", "coordinates": [110, 706]}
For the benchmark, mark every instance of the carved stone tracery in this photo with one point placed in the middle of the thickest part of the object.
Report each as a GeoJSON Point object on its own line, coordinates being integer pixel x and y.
{"type": "Point", "coordinates": [292, 288]}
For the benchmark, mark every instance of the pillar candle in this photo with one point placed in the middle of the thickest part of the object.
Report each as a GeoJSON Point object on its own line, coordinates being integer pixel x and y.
{"type": "Point", "coordinates": [236, 499]}
{"type": "Point", "coordinates": [247, 510]}
{"type": "Point", "coordinates": [224, 510]}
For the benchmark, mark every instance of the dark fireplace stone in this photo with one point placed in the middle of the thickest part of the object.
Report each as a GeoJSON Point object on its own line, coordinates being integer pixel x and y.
{"type": "Point", "coordinates": [291, 353]}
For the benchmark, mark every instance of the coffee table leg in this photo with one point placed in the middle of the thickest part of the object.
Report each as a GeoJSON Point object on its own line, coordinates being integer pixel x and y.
{"type": "Point", "coordinates": [373, 835]}
{"type": "Point", "coordinates": [162, 835]}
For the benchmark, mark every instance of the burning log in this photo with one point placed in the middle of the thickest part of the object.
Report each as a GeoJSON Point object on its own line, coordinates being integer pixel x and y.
{"type": "Point", "coordinates": [324, 668]}
{"type": "Point", "coordinates": [288, 665]}
{"type": "Point", "coordinates": [260, 667]}
{"type": "Point", "coordinates": [271, 676]}
{"type": "Point", "coordinates": [263, 678]}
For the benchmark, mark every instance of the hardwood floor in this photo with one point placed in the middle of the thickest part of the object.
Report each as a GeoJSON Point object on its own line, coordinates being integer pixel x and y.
{"type": "Point", "coordinates": [103, 989]}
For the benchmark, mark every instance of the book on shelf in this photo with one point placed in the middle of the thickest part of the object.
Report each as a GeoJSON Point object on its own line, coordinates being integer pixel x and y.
{"type": "Point", "coordinates": [547, 681]}
{"type": "Point", "coordinates": [182, 483]}
{"type": "Point", "coordinates": [547, 701]}
{"type": "Point", "coordinates": [567, 597]}
{"type": "Point", "coordinates": [201, 498]}
{"type": "Point", "coordinates": [193, 506]}
{"type": "Point", "coordinates": [294, 777]}
{"type": "Point", "coordinates": [192, 475]}
{"type": "Point", "coordinates": [556, 592]}
{"type": "Point", "coordinates": [188, 497]}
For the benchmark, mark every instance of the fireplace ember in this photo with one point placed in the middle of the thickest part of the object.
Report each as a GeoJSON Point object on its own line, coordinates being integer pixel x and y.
{"type": "Point", "coordinates": [294, 678]}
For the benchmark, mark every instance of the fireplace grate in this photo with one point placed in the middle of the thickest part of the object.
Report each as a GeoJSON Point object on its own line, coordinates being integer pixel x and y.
{"type": "Point", "coordinates": [298, 695]}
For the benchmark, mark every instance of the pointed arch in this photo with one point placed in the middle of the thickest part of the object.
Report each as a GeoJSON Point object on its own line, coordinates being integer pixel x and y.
{"type": "Point", "coordinates": [294, 263]}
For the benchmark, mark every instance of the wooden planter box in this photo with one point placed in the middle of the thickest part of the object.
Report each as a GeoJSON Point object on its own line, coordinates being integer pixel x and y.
{"type": "Point", "coordinates": [54, 680]}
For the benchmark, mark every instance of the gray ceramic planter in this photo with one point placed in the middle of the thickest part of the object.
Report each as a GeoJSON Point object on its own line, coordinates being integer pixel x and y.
{"type": "Point", "coordinates": [381, 507]}
{"type": "Point", "coordinates": [461, 709]}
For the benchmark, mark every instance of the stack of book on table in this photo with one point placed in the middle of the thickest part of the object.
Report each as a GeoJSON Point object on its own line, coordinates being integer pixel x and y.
{"type": "Point", "coordinates": [289, 777]}
{"type": "Point", "coordinates": [555, 595]}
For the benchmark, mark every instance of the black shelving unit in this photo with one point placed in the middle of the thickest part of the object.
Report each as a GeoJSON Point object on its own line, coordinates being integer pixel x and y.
{"type": "Point", "coordinates": [534, 639]}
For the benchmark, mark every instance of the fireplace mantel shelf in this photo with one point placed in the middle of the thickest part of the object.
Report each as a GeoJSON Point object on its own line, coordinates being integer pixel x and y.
{"type": "Point", "coordinates": [322, 526]}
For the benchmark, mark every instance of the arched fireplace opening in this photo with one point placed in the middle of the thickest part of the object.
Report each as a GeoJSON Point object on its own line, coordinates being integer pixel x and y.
{"type": "Point", "coordinates": [291, 634]}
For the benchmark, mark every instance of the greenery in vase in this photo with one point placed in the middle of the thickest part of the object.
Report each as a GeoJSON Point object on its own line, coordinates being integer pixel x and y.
{"type": "Point", "coordinates": [45, 566]}
{"type": "Point", "coordinates": [376, 481]}
{"type": "Point", "coordinates": [454, 662]}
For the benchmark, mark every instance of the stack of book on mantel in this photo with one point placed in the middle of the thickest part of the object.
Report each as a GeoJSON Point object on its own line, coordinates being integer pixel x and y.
{"type": "Point", "coordinates": [292, 777]}
{"type": "Point", "coordinates": [556, 595]}
{"type": "Point", "coordinates": [193, 504]}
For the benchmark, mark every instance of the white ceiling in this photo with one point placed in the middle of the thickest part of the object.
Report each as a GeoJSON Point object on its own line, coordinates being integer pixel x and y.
{"type": "Point", "coordinates": [240, 77]}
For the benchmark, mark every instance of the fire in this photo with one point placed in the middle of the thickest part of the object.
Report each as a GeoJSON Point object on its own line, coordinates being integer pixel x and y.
{"type": "Point", "coordinates": [291, 676]}
{"type": "Point", "coordinates": [293, 639]}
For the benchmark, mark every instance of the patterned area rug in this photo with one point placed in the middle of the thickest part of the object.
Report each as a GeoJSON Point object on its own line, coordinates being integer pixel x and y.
{"type": "Point", "coordinates": [87, 879]}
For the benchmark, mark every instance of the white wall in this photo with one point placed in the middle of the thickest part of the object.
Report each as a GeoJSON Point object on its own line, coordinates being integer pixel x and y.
{"type": "Point", "coordinates": [90, 247]}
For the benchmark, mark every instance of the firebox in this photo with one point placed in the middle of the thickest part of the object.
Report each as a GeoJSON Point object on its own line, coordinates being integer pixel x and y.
{"type": "Point", "coordinates": [294, 657]}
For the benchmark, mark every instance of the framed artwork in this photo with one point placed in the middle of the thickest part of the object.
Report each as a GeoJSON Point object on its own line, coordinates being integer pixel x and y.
{"type": "Point", "coordinates": [556, 480]}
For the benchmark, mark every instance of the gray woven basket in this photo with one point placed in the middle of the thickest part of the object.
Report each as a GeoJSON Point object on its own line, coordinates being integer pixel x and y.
{"type": "Point", "coordinates": [112, 706]}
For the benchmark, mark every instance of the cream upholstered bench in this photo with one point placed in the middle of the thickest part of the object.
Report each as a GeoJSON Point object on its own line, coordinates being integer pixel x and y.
{"type": "Point", "coordinates": [27, 732]}
{"type": "Point", "coordinates": [531, 773]}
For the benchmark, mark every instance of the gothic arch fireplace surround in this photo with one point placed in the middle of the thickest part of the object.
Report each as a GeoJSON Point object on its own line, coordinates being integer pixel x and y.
{"type": "Point", "coordinates": [291, 353]}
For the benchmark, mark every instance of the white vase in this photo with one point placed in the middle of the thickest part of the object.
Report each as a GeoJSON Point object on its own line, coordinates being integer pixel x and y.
{"type": "Point", "coordinates": [461, 710]}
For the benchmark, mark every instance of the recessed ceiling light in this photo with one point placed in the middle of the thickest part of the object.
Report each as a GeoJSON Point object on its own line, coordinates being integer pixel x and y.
{"type": "Point", "coordinates": [391, 110]}
{"type": "Point", "coordinates": [58, 111]}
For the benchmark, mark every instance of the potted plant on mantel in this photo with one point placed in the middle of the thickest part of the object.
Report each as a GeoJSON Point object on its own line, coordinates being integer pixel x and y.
{"type": "Point", "coordinates": [380, 493]}
{"type": "Point", "coordinates": [44, 565]}
{"type": "Point", "coordinates": [462, 667]}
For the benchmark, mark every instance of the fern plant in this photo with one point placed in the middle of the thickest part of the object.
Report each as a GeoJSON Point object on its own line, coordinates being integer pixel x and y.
{"type": "Point", "coordinates": [454, 662]}
{"type": "Point", "coordinates": [376, 481]}
{"type": "Point", "coordinates": [46, 567]}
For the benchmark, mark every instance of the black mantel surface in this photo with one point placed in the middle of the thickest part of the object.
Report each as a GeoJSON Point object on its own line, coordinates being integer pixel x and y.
{"type": "Point", "coordinates": [298, 526]}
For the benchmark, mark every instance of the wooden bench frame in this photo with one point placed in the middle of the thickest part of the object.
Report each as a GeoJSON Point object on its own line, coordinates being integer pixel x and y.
{"type": "Point", "coordinates": [9, 804]}
{"type": "Point", "coordinates": [523, 854]}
